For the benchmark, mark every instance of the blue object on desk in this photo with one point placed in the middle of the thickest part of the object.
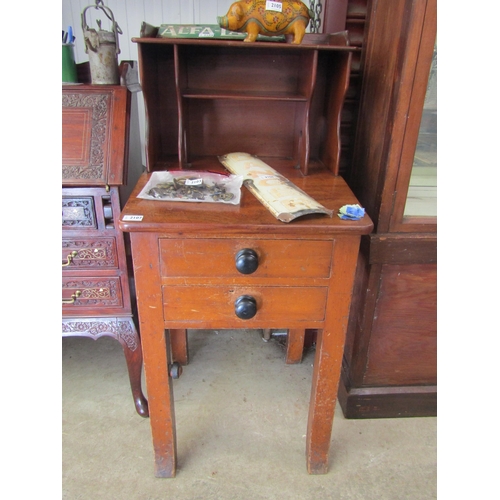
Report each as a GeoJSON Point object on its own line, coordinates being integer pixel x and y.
{"type": "Point", "coordinates": [351, 212]}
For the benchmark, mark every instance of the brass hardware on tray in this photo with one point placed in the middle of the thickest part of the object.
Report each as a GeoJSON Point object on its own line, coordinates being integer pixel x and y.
{"type": "Point", "coordinates": [74, 296]}
{"type": "Point", "coordinates": [70, 258]}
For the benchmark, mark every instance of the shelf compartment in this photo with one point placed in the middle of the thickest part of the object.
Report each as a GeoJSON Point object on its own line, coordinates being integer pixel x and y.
{"type": "Point", "coordinates": [208, 98]}
{"type": "Point", "coordinates": [228, 69]}
{"type": "Point", "coordinates": [217, 127]}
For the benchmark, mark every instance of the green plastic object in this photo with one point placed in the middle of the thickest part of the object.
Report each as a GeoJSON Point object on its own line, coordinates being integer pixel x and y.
{"type": "Point", "coordinates": [68, 64]}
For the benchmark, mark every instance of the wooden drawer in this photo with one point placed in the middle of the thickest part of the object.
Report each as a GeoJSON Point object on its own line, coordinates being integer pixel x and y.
{"type": "Point", "coordinates": [217, 304]}
{"type": "Point", "coordinates": [80, 293]}
{"type": "Point", "coordinates": [216, 258]}
{"type": "Point", "coordinates": [95, 253]}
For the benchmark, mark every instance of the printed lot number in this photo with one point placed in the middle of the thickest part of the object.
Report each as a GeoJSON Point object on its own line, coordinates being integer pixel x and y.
{"type": "Point", "coordinates": [277, 6]}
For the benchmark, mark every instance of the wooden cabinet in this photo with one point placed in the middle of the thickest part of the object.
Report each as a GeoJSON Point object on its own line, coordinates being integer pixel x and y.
{"type": "Point", "coordinates": [96, 297]}
{"type": "Point", "coordinates": [390, 361]}
{"type": "Point", "coordinates": [283, 103]}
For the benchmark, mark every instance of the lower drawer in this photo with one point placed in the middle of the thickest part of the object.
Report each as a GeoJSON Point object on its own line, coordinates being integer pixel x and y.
{"type": "Point", "coordinates": [218, 304]}
{"type": "Point", "coordinates": [78, 293]}
{"type": "Point", "coordinates": [95, 253]}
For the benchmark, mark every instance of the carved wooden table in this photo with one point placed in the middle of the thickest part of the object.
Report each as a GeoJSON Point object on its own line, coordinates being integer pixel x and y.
{"type": "Point", "coordinates": [186, 277]}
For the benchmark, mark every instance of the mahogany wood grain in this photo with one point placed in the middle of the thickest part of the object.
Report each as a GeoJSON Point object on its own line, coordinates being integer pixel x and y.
{"type": "Point", "coordinates": [403, 249]}
{"type": "Point", "coordinates": [156, 349]}
{"type": "Point", "coordinates": [96, 297]}
{"type": "Point", "coordinates": [249, 218]}
{"type": "Point", "coordinates": [403, 346]}
{"type": "Point", "coordinates": [282, 258]}
{"type": "Point", "coordinates": [210, 91]}
{"type": "Point", "coordinates": [212, 306]}
{"type": "Point", "coordinates": [391, 344]}
{"type": "Point", "coordinates": [166, 301]}
{"type": "Point", "coordinates": [294, 345]}
{"type": "Point", "coordinates": [95, 127]}
{"type": "Point", "coordinates": [388, 402]}
{"type": "Point", "coordinates": [328, 357]}
{"type": "Point", "coordinates": [283, 103]}
{"type": "Point", "coordinates": [179, 345]}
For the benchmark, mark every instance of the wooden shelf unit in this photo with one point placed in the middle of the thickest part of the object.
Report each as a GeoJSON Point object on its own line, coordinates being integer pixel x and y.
{"type": "Point", "coordinates": [272, 99]}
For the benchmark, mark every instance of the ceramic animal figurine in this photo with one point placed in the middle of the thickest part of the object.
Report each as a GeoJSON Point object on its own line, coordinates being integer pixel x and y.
{"type": "Point", "coordinates": [256, 17]}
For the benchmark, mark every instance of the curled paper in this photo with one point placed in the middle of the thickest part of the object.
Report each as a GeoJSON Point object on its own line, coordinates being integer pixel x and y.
{"type": "Point", "coordinates": [277, 193]}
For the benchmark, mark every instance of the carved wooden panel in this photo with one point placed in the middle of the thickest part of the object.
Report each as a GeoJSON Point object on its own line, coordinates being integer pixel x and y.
{"type": "Point", "coordinates": [96, 253]}
{"type": "Point", "coordinates": [78, 213]}
{"type": "Point", "coordinates": [93, 292]}
{"type": "Point", "coordinates": [85, 123]}
{"type": "Point", "coordinates": [120, 329]}
{"type": "Point", "coordinates": [94, 135]}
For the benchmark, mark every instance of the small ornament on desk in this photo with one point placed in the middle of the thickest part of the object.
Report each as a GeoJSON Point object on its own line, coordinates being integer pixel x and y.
{"type": "Point", "coordinates": [268, 18]}
{"type": "Point", "coordinates": [351, 212]}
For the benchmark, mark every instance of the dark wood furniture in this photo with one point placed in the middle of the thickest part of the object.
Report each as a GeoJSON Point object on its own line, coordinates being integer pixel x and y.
{"type": "Point", "coordinates": [390, 360]}
{"type": "Point", "coordinates": [96, 297]}
{"type": "Point", "coordinates": [281, 102]}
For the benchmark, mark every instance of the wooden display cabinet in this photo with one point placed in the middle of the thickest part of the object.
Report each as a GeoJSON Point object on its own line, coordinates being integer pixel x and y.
{"type": "Point", "coordinates": [390, 360]}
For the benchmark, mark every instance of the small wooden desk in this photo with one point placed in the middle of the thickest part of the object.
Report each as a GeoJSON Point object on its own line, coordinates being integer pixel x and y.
{"type": "Point", "coordinates": [185, 274]}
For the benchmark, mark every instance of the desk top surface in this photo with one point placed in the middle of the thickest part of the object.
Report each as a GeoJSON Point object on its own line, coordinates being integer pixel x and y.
{"type": "Point", "coordinates": [250, 217]}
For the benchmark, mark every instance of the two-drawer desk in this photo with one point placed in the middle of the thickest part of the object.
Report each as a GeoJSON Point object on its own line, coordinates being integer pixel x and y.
{"type": "Point", "coordinates": [186, 277]}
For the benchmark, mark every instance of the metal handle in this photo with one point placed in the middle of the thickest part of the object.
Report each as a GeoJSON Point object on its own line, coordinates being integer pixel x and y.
{"type": "Point", "coordinates": [74, 296]}
{"type": "Point", "coordinates": [99, 5]}
{"type": "Point", "coordinates": [70, 258]}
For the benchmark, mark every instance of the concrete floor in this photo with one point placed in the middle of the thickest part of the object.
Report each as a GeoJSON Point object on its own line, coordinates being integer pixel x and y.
{"type": "Point", "coordinates": [241, 419]}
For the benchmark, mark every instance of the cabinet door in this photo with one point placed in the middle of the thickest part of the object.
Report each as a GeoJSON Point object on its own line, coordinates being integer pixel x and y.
{"type": "Point", "coordinates": [415, 207]}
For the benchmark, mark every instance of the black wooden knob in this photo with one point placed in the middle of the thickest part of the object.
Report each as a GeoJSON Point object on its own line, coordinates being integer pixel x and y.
{"type": "Point", "coordinates": [245, 307]}
{"type": "Point", "coordinates": [247, 261]}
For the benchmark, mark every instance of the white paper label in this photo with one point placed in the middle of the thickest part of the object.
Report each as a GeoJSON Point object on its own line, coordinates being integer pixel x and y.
{"type": "Point", "coordinates": [194, 182]}
{"type": "Point", "coordinates": [276, 6]}
{"type": "Point", "coordinates": [133, 217]}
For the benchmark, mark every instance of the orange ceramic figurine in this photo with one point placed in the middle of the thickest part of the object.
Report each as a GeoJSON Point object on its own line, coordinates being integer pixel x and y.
{"type": "Point", "coordinates": [267, 18]}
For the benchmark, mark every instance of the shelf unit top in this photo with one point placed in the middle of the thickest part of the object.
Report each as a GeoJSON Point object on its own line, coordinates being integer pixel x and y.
{"type": "Point", "coordinates": [312, 41]}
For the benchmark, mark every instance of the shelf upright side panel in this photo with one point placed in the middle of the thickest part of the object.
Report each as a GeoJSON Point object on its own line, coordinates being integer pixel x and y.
{"type": "Point", "coordinates": [307, 82]}
{"type": "Point", "coordinates": [158, 86]}
{"type": "Point", "coordinates": [180, 75]}
{"type": "Point", "coordinates": [149, 91]}
{"type": "Point", "coordinates": [338, 71]}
